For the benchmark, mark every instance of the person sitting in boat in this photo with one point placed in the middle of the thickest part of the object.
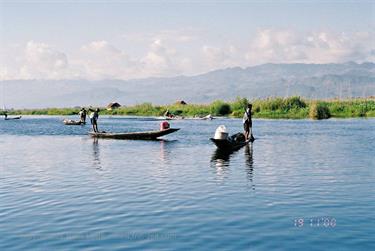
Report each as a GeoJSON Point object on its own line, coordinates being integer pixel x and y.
{"type": "Point", "coordinates": [248, 123]}
{"type": "Point", "coordinates": [167, 114]}
{"type": "Point", "coordinates": [209, 116]}
{"type": "Point", "coordinates": [82, 115]}
{"type": "Point", "coordinates": [94, 116]}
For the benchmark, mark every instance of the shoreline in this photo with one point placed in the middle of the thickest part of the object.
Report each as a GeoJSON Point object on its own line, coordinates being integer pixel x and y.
{"type": "Point", "coordinates": [270, 108]}
{"type": "Point", "coordinates": [154, 118]}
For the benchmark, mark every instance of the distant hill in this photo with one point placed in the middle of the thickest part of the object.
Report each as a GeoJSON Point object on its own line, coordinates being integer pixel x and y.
{"type": "Point", "coordinates": [307, 80]}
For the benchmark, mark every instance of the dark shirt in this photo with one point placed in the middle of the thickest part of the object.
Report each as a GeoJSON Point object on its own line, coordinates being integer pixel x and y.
{"type": "Point", "coordinates": [247, 116]}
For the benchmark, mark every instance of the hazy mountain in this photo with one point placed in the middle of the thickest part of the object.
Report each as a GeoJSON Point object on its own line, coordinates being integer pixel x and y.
{"type": "Point", "coordinates": [307, 80]}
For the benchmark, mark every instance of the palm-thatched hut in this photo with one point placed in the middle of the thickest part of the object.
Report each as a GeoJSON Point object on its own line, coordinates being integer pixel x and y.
{"type": "Point", "coordinates": [113, 106]}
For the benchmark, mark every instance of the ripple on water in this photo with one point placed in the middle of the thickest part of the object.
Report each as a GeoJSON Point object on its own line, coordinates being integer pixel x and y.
{"type": "Point", "coordinates": [60, 189]}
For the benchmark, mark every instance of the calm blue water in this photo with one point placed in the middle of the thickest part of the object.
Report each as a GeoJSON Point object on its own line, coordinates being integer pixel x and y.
{"type": "Point", "coordinates": [302, 185]}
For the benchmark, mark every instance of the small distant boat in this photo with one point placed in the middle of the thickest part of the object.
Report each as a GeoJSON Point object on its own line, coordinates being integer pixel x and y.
{"type": "Point", "coordinates": [208, 117]}
{"type": "Point", "coordinates": [169, 118]}
{"type": "Point", "coordinates": [5, 113]}
{"type": "Point", "coordinates": [231, 143]}
{"type": "Point", "coordinates": [72, 122]}
{"type": "Point", "coordinates": [11, 118]}
{"type": "Point", "coordinates": [174, 118]}
{"type": "Point", "coordinates": [147, 135]}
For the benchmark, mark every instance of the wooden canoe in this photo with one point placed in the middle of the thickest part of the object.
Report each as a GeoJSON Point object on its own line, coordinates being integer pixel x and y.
{"type": "Point", "coordinates": [231, 143]}
{"type": "Point", "coordinates": [11, 118]}
{"type": "Point", "coordinates": [174, 118]}
{"type": "Point", "coordinates": [72, 122]}
{"type": "Point", "coordinates": [147, 135]}
{"type": "Point", "coordinates": [227, 145]}
{"type": "Point", "coordinates": [203, 118]}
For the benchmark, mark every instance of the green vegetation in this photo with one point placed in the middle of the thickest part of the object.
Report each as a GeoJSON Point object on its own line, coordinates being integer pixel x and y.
{"type": "Point", "coordinates": [290, 108]}
{"type": "Point", "coordinates": [276, 108]}
{"type": "Point", "coordinates": [319, 110]}
{"type": "Point", "coordinates": [220, 108]}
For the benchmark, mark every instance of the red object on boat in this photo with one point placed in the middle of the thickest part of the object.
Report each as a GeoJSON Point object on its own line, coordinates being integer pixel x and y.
{"type": "Point", "coordinates": [164, 125]}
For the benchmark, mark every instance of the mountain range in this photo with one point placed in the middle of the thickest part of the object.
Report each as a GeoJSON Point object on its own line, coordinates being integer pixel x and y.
{"type": "Point", "coordinates": [307, 80]}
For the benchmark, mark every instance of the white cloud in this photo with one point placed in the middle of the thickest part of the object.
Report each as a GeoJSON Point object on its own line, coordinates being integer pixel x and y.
{"type": "Point", "coordinates": [160, 60]}
{"type": "Point", "coordinates": [183, 35]}
{"type": "Point", "coordinates": [101, 60]}
{"type": "Point", "coordinates": [180, 36]}
{"type": "Point", "coordinates": [43, 61]}
{"type": "Point", "coordinates": [285, 46]}
{"type": "Point", "coordinates": [100, 47]}
{"type": "Point", "coordinates": [4, 73]}
{"type": "Point", "coordinates": [275, 46]}
{"type": "Point", "coordinates": [171, 53]}
{"type": "Point", "coordinates": [216, 57]}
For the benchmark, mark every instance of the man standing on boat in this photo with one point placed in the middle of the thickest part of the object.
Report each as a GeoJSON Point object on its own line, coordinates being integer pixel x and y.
{"type": "Point", "coordinates": [94, 116]}
{"type": "Point", "coordinates": [248, 123]}
{"type": "Point", "coordinates": [82, 115]}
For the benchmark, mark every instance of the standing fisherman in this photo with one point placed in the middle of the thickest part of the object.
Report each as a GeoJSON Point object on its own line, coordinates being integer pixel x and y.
{"type": "Point", "coordinates": [82, 115]}
{"type": "Point", "coordinates": [94, 115]}
{"type": "Point", "coordinates": [248, 123]}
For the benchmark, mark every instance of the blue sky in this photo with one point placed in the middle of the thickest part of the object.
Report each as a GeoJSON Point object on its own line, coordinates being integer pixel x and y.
{"type": "Point", "coordinates": [128, 39]}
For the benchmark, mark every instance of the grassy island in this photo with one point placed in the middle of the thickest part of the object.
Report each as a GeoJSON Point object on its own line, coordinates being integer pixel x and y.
{"type": "Point", "coordinates": [275, 108]}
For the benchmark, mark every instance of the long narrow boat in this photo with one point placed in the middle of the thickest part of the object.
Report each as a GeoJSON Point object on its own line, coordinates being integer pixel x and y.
{"type": "Point", "coordinates": [11, 118]}
{"type": "Point", "coordinates": [232, 143]}
{"type": "Point", "coordinates": [174, 118]}
{"type": "Point", "coordinates": [207, 117]}
{"type": "Point", "coordinates": [72, 122]}
{"type": "Point", "coordinates": [147, 135]}
{"type": "Point", "coordinates": [200, 118]}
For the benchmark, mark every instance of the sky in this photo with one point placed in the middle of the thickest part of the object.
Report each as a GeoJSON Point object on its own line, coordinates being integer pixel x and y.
{"type": "Point", "coordinates": [138, 39]}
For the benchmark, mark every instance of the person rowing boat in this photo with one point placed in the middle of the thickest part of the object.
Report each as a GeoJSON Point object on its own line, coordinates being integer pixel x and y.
{"type": "Point", "coordinates": [248, 123]}
{"type": "Point", "coordinates": [94, 116]}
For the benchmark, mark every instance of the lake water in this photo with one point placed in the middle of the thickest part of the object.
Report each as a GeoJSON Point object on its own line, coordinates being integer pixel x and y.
{"type": "Point", "coordinates": [302, 185]}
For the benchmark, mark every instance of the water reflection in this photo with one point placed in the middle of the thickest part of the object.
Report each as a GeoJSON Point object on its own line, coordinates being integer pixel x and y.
{"type": "Point", "coordinates": [163, 153]}
{"type": "Point", "coordinates": [96, 154]}
{"type": "Point", "coordinates": [221, 158]}
{"type": "Point", "coordinates": [221, 162]}
{"type": "Point", "coordinates": [249, 163]}
{"type": "Point", "coordinates": [165, 149]}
